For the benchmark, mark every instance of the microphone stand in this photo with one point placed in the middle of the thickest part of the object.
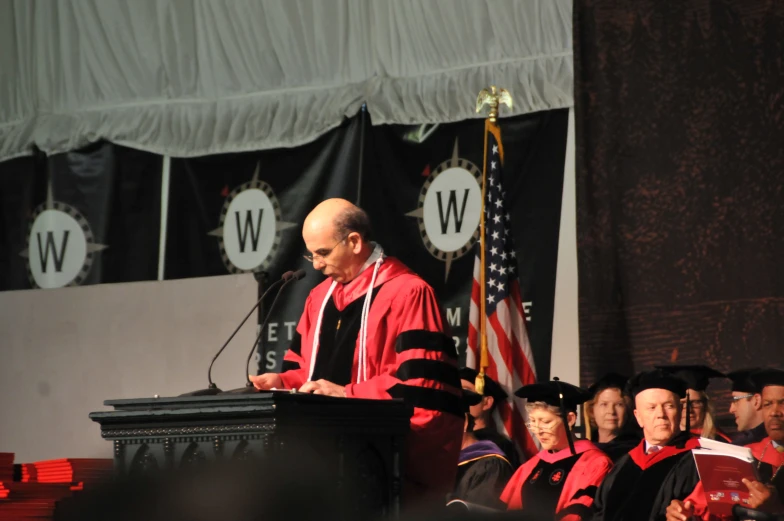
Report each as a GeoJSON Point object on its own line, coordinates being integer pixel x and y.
{"type": "Point", "coordinates": [249, 388]}
{"type": "Point", "coordinates": [213, 389]}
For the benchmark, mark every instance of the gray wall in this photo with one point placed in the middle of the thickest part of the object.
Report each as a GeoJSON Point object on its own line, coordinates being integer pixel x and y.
{"type": "Point", "coordinates": [64, 351]}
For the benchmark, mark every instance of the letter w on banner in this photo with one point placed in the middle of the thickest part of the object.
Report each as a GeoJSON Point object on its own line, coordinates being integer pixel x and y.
{"type": "Point", "coordinates": [510, 360]}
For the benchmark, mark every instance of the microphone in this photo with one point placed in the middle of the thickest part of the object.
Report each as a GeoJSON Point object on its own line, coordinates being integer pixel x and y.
{"type": "Point", "coordinates": [297, 275]}
{"type": "Point", "coordinates": [212, 388]}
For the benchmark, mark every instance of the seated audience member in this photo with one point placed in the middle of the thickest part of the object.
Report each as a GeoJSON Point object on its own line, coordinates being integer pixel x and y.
{"type": "Point", "coordinates": [608, 414]}
{"type": "Point", "coordinates": [661, 468]}
{"type": "Point", "coordinates": [746, 405]}
{"type": "Point", "coordinates": [561, 480]}
{"type": "Point", "coordinates": [700, 419]}
{"type": "Point", "coordinates": [770, 450]}
{"type": "Point", "coordinates": [482, 470]}
{"type": "Point", "coordinates": [767, 494]}
{"type": "Point", "coordinates": [482, 413]}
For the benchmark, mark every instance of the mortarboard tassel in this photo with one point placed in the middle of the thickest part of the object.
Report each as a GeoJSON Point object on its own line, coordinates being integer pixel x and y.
{"type": "Point", "coordinates": [564, 417]}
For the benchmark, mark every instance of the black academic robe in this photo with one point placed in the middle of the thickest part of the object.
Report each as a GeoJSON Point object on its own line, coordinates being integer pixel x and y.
{"type": "Point", "coordinates": [506, 445]}
{"type": "Point", "coordinates": [482, 474]}
{"type": "Point", "coordinates": [750, 436]}
{"type": "Point", "coordinates": [620, 445]}
{"type": "Point", "coordinates": [641, 486]}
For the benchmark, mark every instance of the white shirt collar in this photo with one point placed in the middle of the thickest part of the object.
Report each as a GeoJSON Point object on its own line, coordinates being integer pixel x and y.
{"type": "Point", "coordinates": [377, 252]}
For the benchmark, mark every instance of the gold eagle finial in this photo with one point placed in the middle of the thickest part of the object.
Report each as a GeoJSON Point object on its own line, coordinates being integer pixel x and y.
{"type": "Point", "coordinates": [493, 96]}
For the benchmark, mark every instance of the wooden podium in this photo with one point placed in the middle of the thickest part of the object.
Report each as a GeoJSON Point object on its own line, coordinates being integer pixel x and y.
{"type": "Point", "coordinates": [364, 437]}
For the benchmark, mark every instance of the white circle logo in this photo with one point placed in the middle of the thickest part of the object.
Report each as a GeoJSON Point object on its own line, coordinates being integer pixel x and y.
{"type": "Point", "coordinates": [452, 209]}
{"type": "Point", "coordinates": [250, 225]}
{"type": "Point", "coordinates": [249, 229]}
{"type": "Point", "coordinates": [57, 246]}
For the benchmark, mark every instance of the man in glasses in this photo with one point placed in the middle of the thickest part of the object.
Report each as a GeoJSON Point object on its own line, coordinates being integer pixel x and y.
{"type": "Point", "coordinates": [746, 405]}
{"type": "Point", "coordinates": [373, 329]}
{"type": "Point", "coordinates": [767, 493]}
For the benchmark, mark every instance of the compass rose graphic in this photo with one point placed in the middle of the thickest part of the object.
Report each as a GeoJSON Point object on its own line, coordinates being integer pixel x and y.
{"type": "Point", "coordinates": [250, 227]}
{"type": "Point", "coordinates": [449, 209]}
{"type": "Point", "coordinates": [60, 245]}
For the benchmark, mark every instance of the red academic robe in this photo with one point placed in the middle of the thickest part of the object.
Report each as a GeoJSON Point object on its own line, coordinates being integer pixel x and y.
{"type": "Point", "coordinates": [405, 343]}
{"type": "Point", "coordinates": [764, 452]}
{"type": "Point", "coordinates": [558, 483]}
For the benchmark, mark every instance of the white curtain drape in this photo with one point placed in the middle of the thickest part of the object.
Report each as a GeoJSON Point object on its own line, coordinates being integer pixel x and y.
{"type": "Point", "coordinates": [196, 77]}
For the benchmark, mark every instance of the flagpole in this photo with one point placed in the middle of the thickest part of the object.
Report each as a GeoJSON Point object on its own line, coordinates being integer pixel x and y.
{"type": "Point", "coordinates": [491, 96]}
{"type": "Point", "coordinates": [483, 362]}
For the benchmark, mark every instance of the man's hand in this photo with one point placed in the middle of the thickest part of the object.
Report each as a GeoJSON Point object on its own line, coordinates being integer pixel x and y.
{"type": "Point", "coordinates": [679, 511]}
{"type": "Point", "coordinates": [324, 387]}
{"type": "Point", "coordinates": [763, 497]}
{"type": "Point", "coordinates": [266, 381]}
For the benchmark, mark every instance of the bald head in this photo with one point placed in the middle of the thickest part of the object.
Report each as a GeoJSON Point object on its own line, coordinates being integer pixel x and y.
{"type": "Point", "coordinates": [337, 217]}
{"type": "Point", "coordinates": [336, 233]}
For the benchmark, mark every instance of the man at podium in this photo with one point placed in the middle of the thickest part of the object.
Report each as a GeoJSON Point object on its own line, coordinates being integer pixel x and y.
{"type": "Point", "coordinates": [373, 329]}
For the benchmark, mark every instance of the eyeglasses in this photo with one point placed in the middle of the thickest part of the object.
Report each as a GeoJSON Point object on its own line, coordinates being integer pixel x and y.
{"type": "Point", "coordinates": [322, 256]}
{"type": "Point", "coordinates": [742, 397]}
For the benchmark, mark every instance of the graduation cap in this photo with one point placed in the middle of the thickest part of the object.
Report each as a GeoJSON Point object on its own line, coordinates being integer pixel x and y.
{"type": "Point", "coordinates": [558, 394]}
{"type": "Point", "coordinates": [555, 393]}
{"type": "Point", "coordinates": [470, 398]}
{"type": "Point", "coordinates": [697, 377]}
{"type": "Point", "coordinates": [492, 388]}
{"type": "Point", "coordinates": [656, 379]}
{"type": "Point", "coordinates": [766, 377]}
{"type": "Point", "coordinates": [609, 381]}
{"type": "Point", "coordinates": [742, 381]}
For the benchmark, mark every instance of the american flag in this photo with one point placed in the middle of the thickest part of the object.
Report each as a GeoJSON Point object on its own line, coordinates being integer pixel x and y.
{"type": "Point", "coordinates": [510, 360]}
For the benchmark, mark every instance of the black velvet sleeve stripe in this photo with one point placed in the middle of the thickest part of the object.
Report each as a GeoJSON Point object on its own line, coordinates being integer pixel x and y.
{"type": "Point", "coordinates": [430, 369]}
{"type": "Point", "coordinates": [426, 398]}
{"type": "Point", "coordinates": [288, 365]}
{"type": "Point", "coordinates": [589, 491]}
{"type": "Point", "coordinates": [430, 340]}
{"type": "Point", "coordinates": [296, 343]}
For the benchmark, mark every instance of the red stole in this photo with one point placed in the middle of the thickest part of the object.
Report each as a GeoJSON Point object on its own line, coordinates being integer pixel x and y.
{"type": "Point", "coordinates": [643, 460]}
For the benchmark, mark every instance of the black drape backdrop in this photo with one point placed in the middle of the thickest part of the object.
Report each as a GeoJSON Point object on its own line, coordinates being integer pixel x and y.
{"type": "Point", "coordinates": [114, 194]}
{"type": "Point", "coordinates": [534, 148]}
{"type": "Point", "coordinates": [237, 212]}
{"type": "Point", "coordinates": [680, 177]}
{"type": "Point", "coordinates": [299, 179]}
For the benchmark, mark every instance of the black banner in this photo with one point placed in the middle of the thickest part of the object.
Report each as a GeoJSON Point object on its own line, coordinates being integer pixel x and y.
{"type": "Point", "coordinates": [233, 213]}
{"type": "Point", "coordinates": [84, 217]}
{"type": "Point", "coordinates": [424, 198]}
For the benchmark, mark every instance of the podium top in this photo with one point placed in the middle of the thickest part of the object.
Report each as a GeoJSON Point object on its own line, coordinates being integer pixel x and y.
{"type": "Point", "coordinates": [280, 407]}
{"type": "Point", "coordinates": [260, 399]}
